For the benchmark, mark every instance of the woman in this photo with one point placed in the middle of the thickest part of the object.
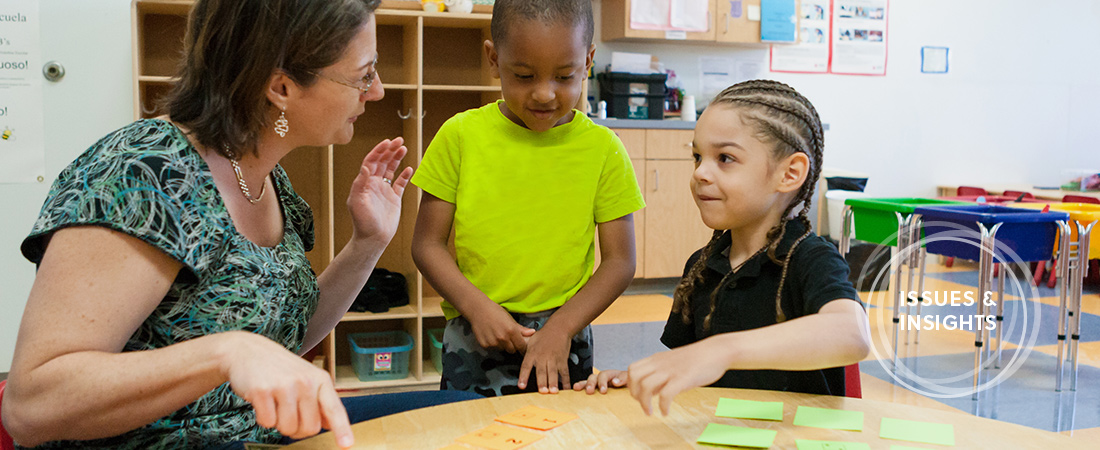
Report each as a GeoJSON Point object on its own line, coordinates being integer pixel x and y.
{"type": "Point", "coordinates": [173, 290]}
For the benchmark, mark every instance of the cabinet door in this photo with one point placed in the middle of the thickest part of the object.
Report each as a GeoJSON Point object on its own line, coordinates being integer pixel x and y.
{"type": "Point", "coordinates": [672, 225]}
{"type": "Point", "coordinates": [669, 144]}
{"type": "Point", "coordinates": [732, 22]}
{"type": "Point", "coordinates": [634, 141]}
{"type": "Point", "coordinates": [615, 18]}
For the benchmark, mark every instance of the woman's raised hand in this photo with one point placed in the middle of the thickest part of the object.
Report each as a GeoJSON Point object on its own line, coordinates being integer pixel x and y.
{"type": "Point", "coordinates": [375, 198]}
{"type": "Point", "coordinates": [287, 392]}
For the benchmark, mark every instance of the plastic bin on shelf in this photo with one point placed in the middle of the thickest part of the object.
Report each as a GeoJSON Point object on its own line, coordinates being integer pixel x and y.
{"type": "Point", "coordinates": [435, 335]}
{"type": "Point", "coordinates": [1029, 234]}
{"type": "Point", "coordinates": [381, 355]}
{"type": "Point", "coordinates": [874, 219]}
{"type": "Point", "coordinates": [1083, 213]}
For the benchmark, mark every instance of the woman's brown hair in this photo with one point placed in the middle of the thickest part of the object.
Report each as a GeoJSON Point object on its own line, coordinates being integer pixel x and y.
{"type": "Point", "coordinates": [787, 120]}
{"type": "Point", "coordinates": [233, 47]}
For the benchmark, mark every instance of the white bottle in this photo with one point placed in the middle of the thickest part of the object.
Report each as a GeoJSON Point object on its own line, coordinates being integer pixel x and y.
{"type": "Point", "coordinates": [687, 108]}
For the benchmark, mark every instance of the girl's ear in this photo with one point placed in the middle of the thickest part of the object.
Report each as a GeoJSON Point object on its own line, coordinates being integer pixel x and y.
{"type": "Point", "coordinates": [281, 89]}
{"type": "Point", "coordinates": [793, 171]}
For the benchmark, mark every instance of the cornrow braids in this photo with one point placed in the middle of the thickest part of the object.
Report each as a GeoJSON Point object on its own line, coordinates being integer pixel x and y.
{"type": "Point", "coordinates": [781, 115]}
{"type": "Point", "coordinates": [681, 297]}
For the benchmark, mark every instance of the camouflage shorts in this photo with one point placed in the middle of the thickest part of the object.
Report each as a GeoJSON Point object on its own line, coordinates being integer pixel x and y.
{"type": "Point", "coordinates": [492, 372]}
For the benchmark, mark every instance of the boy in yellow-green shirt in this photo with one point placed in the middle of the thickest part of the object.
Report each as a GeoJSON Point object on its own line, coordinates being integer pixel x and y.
{"type": "Point", "coordinates": [526, 182]}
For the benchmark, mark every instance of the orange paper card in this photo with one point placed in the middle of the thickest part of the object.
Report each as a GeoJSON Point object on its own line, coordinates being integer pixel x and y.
{"type": "Point", "coordinates": [537, 418]}
{"type": "Point", "coordinates": [500, 437]}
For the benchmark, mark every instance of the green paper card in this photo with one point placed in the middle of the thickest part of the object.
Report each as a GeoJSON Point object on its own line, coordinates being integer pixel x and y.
{"type": "Point", "coordinates": [913, 431]}
{"type": "Point", "coordinates": [749, 409]}
{"type": "Point", "coordinates": [833, 419]}
{"type": "Point", "coordinates": [739, 436]}
{"type": "Point", "coordinates": [806, 444]}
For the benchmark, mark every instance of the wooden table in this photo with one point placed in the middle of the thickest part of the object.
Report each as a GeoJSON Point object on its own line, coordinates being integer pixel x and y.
{"type": "Point", "coordinates": [616, 420]}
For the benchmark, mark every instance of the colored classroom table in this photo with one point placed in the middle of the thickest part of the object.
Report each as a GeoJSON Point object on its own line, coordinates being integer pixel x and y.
{"type": "Point", "coordinates": [615, 420]}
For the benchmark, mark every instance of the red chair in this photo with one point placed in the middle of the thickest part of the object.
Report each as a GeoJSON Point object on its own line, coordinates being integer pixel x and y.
{"type": "Point", "coordinates": [1080, 199]}
{"type": "Point", "coordinates": [6, 442]}
{"type": "Point", "coordinates": [1019, 194]}
{"type": "Point", "coordinates": [970, 190]}
{"type": "Point", "coordinates": [852, 386]}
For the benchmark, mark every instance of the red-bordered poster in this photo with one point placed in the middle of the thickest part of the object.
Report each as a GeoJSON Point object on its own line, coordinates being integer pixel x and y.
{"type": "Point", "coordinates": [811, 54]}
{"type": "Point", "coordinates": [844, 37]}
{"type": "Point", "coordinates": [859, 37]}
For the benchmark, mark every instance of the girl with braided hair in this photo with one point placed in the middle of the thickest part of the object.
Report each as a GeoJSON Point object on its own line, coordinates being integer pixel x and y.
{"type": "Point", "coordinates": [766, 304]}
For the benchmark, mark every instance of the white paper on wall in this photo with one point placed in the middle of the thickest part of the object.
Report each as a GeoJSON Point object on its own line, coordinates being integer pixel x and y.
{"type": "Point", "coordinates": [22, 156]}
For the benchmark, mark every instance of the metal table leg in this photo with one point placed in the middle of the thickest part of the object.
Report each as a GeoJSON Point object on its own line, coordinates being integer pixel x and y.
{"type": "Point", "coordinates": [1063, 291]}
{"type": "Point", "coordinates": [896, 264]}
{"type": "Point", "coordinates": [985, 278]}
{"type": "Point", "coordinates": [1083, 234]}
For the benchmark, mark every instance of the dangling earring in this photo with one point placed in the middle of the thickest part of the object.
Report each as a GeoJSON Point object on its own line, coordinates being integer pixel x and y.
{"type": "Point", "coordinates": [282, 126]}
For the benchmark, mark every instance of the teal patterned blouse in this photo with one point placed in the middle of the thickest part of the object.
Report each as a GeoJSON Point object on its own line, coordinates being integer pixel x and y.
{"type": "Point", "coordinates": [146, 180]}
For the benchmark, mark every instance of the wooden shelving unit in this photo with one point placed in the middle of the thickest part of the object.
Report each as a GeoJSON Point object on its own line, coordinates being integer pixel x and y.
{"type": "Point", "coordinates": [432, 66]}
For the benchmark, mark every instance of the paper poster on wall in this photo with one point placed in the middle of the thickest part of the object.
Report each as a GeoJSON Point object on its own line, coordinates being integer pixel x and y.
{"type": "Point", "coordinates": [670, 15]}
{"type": "Point", "coordinates": [811, 54]}
{"type": "Point", "coordinates": [859, 37]}
{"type": "Point", "coordinates": [716, 74]}
{"type": "Point", "coordinates": [778, 21]}
{"type": "Point", "coordinates": [22, 157]}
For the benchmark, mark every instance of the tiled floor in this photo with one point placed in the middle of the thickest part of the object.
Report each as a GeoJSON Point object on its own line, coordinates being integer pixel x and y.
{"type": "Point", "coordinates": [632, 327]}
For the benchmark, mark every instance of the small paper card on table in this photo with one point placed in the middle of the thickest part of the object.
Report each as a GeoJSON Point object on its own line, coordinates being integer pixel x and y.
{"type": "Point", "coordinates": [749, 409]}
{"type": "Point", "coordinates": [806, 444]}
{"type": "Point", "coordinates": [738, 436]}
{"type": "Point", "coordinates": [834, 419]}
{"type": "Point", "coordinates": [537, 418]}
{"type": "Point", "coordinates": [914, 431]}
{"type": "Point", "coordinates": [500, 437]}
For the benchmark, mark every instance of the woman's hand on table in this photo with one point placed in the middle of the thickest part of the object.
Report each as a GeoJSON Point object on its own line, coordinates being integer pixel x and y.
{"type": "Point", "coordinates": [667, 374]}
{"type": "Point", "coordinates": [288, 393]}
{"type": "Point", "coordinates": [601, 381]}
{"type": "Point", "coordinates": [375, 197]}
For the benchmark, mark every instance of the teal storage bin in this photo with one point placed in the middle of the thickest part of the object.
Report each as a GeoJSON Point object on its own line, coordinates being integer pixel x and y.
{"type": "Point", "coordinates": [435, 335]}
{"type": "Point", "coordinates": [875, 221]}
{"type": "Point", "coordinates": [380, 356]}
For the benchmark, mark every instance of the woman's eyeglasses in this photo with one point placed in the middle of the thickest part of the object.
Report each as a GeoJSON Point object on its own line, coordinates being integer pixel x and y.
{"type": "Point", "coordinates": [364, 84]}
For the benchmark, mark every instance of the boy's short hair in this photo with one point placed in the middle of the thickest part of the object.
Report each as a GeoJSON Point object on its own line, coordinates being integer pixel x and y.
{"type": "Point", "coordinates": [569, 12]}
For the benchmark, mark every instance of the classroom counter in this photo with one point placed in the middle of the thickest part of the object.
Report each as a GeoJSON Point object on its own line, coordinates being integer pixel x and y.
{"type": "Point", "coordinates": [646, 124]}
{"type": "Point", "coordinates": [616, 420]}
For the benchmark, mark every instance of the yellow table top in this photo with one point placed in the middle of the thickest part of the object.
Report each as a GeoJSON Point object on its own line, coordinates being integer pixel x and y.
{"type": "Point", "coordinates": [616, 420]}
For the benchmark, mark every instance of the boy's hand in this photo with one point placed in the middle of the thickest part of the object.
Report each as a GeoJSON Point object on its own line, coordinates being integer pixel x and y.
{"type": "Point", "coordinates": [612, 378]}
{"type": "Point", "coordinates": [495, 328]}
{"type": "Point", "coordinates": [548, 355]}
{"type": "Point", "coordinates": [667, 374]}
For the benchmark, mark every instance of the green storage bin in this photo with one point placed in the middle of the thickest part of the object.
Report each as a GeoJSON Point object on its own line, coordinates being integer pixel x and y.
{"type": "Point", "coordinates": [435, 335]}
{"type": "Point", "coordinates": [382, 355]}
{"type": "Point", "coordinates": [875, 219]}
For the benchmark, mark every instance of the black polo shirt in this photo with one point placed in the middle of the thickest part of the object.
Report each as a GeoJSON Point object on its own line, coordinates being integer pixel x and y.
{"type": "Point", "coordinates": [816, 276]}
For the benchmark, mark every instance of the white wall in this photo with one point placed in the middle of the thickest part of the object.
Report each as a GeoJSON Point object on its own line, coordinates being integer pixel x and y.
{"type": "Point", "coordinates": [1020, 104]}
{"type": "Point", "coordinates": [91, 38]}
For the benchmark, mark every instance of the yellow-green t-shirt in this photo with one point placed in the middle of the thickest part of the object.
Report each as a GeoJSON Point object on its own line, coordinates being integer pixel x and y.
{"type": "Point", "coordinates": [527, 203]}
